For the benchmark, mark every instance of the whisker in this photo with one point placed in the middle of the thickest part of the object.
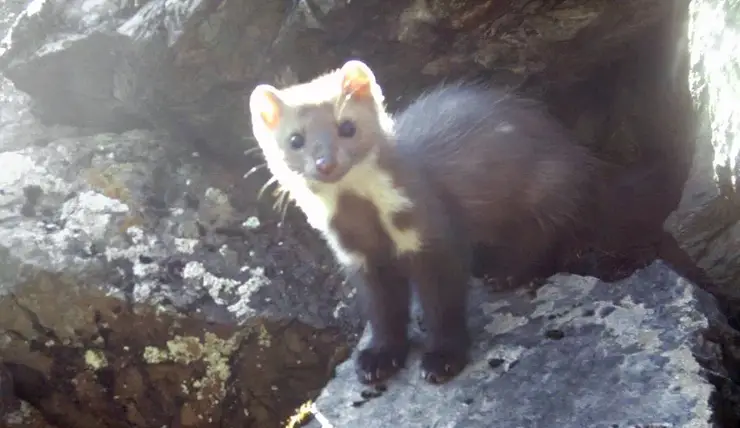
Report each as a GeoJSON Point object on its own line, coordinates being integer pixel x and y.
{"type": "Point", "coordinates": [252, 150]}
{"type": "Point", "coordinates": [269, 182]}
{"type": "Point", "coordinates": [253, 170]}
{"type": "Point", "coordinates": [286, 205]}
{"type": "Point", "coordinates": [279, 202]}
{"type": "Point", "coordinates": [277, 194]}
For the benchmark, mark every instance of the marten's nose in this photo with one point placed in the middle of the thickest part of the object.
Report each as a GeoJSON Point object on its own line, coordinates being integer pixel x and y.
{"type": "Point", "coordinates": [325, 165]}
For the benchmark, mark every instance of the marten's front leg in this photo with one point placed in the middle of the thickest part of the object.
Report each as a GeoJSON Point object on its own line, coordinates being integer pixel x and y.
{"type": "Point", "coordinates": [440, 276]}
{"type": "Point", "coordinates": [384, 294]}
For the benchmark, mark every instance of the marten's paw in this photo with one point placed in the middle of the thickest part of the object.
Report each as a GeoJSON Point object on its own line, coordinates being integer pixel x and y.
{"type": "Point", "coordinates": [375, 365]}
{"type": "Point", "coordinates": [440, 366]}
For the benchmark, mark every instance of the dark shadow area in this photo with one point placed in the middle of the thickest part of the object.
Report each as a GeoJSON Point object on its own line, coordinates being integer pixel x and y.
{"type": "Point", "coordinates": [136, 368]}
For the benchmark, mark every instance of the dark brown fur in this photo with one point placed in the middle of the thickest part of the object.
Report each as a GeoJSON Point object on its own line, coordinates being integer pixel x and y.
{"type": "Point", "coordinates": [516, 195]}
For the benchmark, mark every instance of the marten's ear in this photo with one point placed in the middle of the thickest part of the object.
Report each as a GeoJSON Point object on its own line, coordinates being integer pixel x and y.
{"type": "Point", "coordinates": [357, 79]}
{"type": "Point", "coordinates": [265, 101]}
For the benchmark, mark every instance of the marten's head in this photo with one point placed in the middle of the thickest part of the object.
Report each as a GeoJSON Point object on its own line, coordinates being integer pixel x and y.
{"type": "Point", "coordinates": [320, 129]}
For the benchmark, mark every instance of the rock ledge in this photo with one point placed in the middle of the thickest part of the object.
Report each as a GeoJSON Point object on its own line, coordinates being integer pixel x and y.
{"type": "Point", "coordinates": [577, 352]}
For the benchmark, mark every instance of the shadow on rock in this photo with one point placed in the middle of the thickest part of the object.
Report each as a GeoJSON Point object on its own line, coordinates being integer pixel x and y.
{"type": "Point", "coordinates": [83, 359]}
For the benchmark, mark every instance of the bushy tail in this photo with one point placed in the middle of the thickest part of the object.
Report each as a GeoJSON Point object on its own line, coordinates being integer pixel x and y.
{"type": "Point", "coordinates": [632, 202]}
{"type": "Point", "coordinates": [638, 198]}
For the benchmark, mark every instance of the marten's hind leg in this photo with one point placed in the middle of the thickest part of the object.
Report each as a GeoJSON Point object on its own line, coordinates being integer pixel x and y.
{"type": "Point", "coordinates": [526, 252]}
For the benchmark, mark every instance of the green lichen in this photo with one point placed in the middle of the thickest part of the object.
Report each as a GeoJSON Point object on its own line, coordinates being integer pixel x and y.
{"type": "Point", "coordinates": [153, 355]}
{"type": "Point", "coordinates": [213, 351]}
{"type": "Point", "coordinates": [95, 359]}
{"type": "Point", "coordinates": [264, 337]}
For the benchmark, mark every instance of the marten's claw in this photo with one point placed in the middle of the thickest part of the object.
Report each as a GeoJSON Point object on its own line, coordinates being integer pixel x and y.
{"type": "Point", "coordinates": [375, 365]}
{"type": "Point", "coordinates": [438, 367]}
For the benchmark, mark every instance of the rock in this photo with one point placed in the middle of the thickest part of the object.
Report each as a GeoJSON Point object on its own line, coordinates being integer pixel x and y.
{"type": "Point", "coordinates": [576, 352]}
{"type": "Point", "coordinates": [54, 35]}
{"type": "Point", "coordinates": [97, 360]}
{"type": "Point", "coordinates": [26, 416]}
{"type": "Point", "coordinates": [136, 288]}
{"type": "Point", "coordinates": [184, 66]}
{"type": "Point", "coordinates": [131, 292]}
{"type": "Point", "coordinates": [83, 205]}
{"type": "Point", "coordinates": [707, 222]}
{"type": "Point", "coordinates": [7, 390]}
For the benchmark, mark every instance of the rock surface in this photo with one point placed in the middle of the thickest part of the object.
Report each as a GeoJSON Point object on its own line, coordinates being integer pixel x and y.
{"type": "Point", "coordinates": [707, 221]}
{"type": "Point", "coordinates": [132, 292]}
{"type": "Point", "coordinates": [575, 353]}
{"type": "Point", "coordinates": [181, 65]}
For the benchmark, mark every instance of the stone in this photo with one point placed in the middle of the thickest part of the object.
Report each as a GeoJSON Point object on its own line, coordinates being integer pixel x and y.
{"type": "Point", "coordinates": [130, 291]}
{"type": "Point", "coordinates": [57, 34]}
{"type": "Point", "coordinates": [97, 360]}
{"type": "Point", "coordinates": [706, 223]}
{"type": "Point", "coordinates": [127, 281]}
{"type": "Point", "coordinates": [183, 66]}
{"type": "Point", "coordinates": [575, 352]}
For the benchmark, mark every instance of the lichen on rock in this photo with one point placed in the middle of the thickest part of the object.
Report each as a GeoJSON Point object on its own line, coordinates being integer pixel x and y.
{"type": "Point", "coordinates": [212, 351]}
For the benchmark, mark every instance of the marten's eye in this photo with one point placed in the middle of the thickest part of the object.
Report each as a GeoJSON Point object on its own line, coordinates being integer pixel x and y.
{"type": "Point", "coordinates": [297, 141]}
{"type": "Point", "coordinates": [346, 129]}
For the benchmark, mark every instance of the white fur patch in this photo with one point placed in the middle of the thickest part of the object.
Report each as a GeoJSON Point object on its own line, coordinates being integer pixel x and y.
{"type": "Point", "coordinates": [368, 181]}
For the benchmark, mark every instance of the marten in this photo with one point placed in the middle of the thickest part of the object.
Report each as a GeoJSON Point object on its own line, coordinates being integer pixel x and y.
{"type": "Point", "coordinates": [403, 200]}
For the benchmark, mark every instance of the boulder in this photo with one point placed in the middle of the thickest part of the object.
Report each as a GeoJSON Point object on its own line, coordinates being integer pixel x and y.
{"type": "Point", "coordinates": [132, 292]}
{"type": "Point", "coordinates": [575, 352]}
{"type": "Point", "coordinates": [182, 66]}
{"type": "Point", "coordinates": [706, 223]}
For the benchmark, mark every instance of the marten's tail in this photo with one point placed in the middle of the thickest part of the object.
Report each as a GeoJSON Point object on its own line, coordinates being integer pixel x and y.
{"type": "Point", "coordinates": [634, 201]}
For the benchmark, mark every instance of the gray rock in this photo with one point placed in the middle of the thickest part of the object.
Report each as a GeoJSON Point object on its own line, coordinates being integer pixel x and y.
{"type": "Point", "coordinates": [115, 247]}
{"type": "Point", "coordinates": [183, 66]}
{"type": "Point", "coordinates": [577, 353]}
{"type": "Point", "coordinates": [7, 394]}
{"type": "Point", "coordinates": [707, 222]}
{"type": "Point", "coordinates": [47, 39]}
{"type": "Point", "coordinates": [85, 204]}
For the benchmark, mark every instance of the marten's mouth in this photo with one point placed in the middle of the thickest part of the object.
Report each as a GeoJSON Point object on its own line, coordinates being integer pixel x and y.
{"type": "Point", "coordinates": [332, 177]}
